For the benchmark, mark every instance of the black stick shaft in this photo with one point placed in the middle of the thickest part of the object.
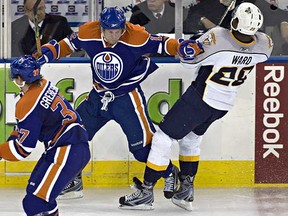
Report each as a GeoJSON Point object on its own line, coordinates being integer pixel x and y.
{"type": "Point", "coordinates": [226, 11]}
{"type": "Point", "coordinates": [35, 7]}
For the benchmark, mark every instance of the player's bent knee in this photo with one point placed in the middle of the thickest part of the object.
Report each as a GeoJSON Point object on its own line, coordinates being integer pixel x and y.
{"type": "Point", "coordinates": [34, 205]}
{"type": "Point", "coordinates": [190, 144]}
{"type": "Point", "coordinates": [142, 154]}
{"type": "Point", "coordinates": [160, 149]}
{"type": "Point", "coordinates": [161, 141]}
{"type": "Point", "coordinates": [159, 155]}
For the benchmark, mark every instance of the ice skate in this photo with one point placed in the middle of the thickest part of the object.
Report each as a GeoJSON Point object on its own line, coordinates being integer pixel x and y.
{"type": "Point", "coordinates": [185, 195]}
{"type": "Point", "coordinates": [171, 183]}
{"type": "Point", "coordinates": [141, 199]}
{"type": "Point", "coordinates": [74, 190]}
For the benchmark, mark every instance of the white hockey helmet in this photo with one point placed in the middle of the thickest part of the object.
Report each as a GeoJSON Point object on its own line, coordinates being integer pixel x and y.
{"type": "Point", "coordinates": [250, 18]}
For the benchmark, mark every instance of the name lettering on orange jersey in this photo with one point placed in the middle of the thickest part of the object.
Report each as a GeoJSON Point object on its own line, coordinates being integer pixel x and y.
{"type": "Point", "coordinates": [49, 96]}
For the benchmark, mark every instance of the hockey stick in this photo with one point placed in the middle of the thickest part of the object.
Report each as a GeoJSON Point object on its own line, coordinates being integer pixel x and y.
{"type": "Point", "coordinates": [37, 34]}
{"type": "Point", "coordinates": [230, 6]}
{"type": "Point", "coordinates": [200, 33]}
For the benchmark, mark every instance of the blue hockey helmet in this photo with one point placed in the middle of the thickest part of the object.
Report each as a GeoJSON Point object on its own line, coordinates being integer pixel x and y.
{"type": "Point", "coordinates": [27, 67]}
{"type": "Point", "coordinates": [112, 18]}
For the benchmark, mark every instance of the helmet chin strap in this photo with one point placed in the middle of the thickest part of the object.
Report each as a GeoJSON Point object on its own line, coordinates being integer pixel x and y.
{"type": "Point", "coordinates": [123, 31]}
{"type": "Point", "coordinates": [19, 85]}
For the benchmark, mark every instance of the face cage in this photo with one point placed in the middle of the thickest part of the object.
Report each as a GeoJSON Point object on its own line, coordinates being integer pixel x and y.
{"type": "Point", "coordinates": [233, 18]}
{"type": "Point", "coordinates": [19, 86]}
{"type": "Point", "coordinates": [12, 78]}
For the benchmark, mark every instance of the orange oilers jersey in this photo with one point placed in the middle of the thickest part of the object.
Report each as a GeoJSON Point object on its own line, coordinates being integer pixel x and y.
{"type": "Point", "coordinates": [121, 67]}
{"type": "Point", "coordinates": [42, 114]}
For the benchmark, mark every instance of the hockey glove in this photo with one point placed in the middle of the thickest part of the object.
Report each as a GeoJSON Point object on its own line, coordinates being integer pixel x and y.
{"type": "Point", "coordinates": [50, 51]}
{"type": "Point", "coordinates": [189, 49]}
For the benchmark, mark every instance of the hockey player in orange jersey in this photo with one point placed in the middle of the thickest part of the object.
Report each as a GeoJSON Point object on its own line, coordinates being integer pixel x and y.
{"type": "Point", "coordinates": [117, 51]}
{"type": "Point", "coordinates": [43, 114]}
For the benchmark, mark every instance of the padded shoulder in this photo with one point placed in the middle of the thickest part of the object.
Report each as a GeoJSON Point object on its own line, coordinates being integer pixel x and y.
{"type": "Point", "coordinates": [90, 30]}
{"type": "Point", "coordinates": [134, 34]}
{"type": "Point", "coordinates": [28, 101]}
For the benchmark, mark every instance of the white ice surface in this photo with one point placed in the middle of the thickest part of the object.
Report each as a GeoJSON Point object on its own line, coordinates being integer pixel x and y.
{"type": "Point", "coordinates": [208, 202]}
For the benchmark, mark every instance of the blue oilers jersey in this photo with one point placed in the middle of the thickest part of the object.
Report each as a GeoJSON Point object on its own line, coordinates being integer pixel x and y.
{"type": "Point", "coordinates": [121, 67]}
{"type": "Point", "coordinates": [42, 114]}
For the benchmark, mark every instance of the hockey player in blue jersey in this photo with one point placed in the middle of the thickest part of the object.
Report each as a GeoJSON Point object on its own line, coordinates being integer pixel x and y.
{"type": "Point", "coordinates": [227, 58]}
{"type": "Point", "coordinates": [42, 114]}
{"type": "Point", "coordinates": [117, 51]}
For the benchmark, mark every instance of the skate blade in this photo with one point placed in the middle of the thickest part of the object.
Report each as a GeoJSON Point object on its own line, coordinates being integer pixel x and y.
{"type": "Point", "coordinates": [183, 204]}
{"type": "Point", "coordinates": [143, 207]}
{"type": "Point", "coordinates": [71, 195]}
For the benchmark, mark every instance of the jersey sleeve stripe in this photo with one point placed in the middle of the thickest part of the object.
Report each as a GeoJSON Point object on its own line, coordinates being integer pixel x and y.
{"type": "Point", "coordinates": [170, 46]}
{"type": "Point", "coordinates": [20, 150]}
{"type": "Point", "coordinates": [14, 150]}
{"type": "Point", "coordinates": [65, 48]}
{"type": "Point", "coordinates": [6, 152]}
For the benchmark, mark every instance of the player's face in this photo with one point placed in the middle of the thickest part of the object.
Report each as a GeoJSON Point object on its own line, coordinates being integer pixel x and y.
{"type": "Point", "coordinates": [112, 36]}
{"type": "Point", "coordinates": [40, 10]}
{"type": "Point", "coordinates": [155, 5]}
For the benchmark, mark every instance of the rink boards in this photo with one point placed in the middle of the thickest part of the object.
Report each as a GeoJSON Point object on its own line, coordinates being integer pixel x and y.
{"type": "Point", "coordinates": [245, 148]}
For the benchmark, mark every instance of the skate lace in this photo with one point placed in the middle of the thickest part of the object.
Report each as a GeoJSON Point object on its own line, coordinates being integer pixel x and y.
{"type": "Point", "coordinates": [72, 183]}
{"type": "Point", "coordinates": [169, 183]}
{"type": "Point", "coordinates": [133, 196]}
{"type": "Point", "coordinates": [68, 186]}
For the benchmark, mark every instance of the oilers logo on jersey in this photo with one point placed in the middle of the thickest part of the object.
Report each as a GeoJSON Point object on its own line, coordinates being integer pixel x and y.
{"type": "Point", "coordinates": [108, 66]}
{"type": "Point", "coordinates": [122, 67]}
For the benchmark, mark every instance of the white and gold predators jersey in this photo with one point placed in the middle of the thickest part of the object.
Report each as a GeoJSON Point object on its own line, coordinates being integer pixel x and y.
{"type": "Point", "coordinates": [226, 63]}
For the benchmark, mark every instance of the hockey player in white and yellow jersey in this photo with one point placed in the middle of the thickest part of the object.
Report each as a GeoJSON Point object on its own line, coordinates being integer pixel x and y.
{"type": "Point", "coordinates": [224, 59]}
